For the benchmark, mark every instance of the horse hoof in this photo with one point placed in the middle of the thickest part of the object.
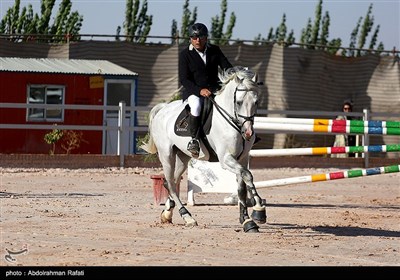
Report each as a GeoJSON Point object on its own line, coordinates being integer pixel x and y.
{"type": "Point", "coordinates": [165, 221]}
{"type": "Point", "coordinates": [191, 224]}
{"type": "Point", "coordinates": [250, 226]}
{"type": "Point", "coordinates": [166, 217]}
{"type": "Point", "coordinates": [259, 215]}
{"type": "Point", "coordinates": [189, 221]}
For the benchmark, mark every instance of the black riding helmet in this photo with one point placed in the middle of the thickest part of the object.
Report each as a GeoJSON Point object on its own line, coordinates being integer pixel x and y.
{"type": "Point", "coordinates": [198, 29]}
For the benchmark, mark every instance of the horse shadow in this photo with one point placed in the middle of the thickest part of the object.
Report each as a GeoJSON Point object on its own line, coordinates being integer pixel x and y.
{"type": "Point", "coordinates": [334, 206]}
{"type": "Point", "coordinates": [340, 230]}
{"type": "Point", "coordinates": [323, 230]}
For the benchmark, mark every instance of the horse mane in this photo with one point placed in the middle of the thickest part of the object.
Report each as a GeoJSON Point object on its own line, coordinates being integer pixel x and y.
{"type": "Point", "coordinates": [241, 74]}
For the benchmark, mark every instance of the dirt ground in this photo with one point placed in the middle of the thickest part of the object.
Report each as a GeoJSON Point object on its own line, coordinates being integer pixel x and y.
{"type": "Point", "coordinates": [108, 217]}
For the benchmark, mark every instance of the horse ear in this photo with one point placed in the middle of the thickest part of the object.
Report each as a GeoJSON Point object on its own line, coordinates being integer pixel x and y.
{"type": "Point", "coordinates": [255, 78]}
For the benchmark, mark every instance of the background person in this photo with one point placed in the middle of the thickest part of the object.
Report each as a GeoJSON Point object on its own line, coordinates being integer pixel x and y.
{"type": "Point", "coordinates": [342, 140]}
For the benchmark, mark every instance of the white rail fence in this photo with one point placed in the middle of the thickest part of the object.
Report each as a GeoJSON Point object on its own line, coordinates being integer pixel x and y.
{"type": "Point", "coordinates": [123, 128]}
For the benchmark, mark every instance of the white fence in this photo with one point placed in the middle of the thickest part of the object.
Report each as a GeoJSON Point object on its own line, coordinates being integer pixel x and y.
{"type": "Point", "coordinates": [122, 128]}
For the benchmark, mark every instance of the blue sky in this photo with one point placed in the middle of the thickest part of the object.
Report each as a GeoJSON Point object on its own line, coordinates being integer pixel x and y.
{"type": "Point", "coordinates": [253, 17]}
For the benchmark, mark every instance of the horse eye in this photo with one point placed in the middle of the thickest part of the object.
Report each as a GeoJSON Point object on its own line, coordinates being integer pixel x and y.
{"type": "Point", "coordinates": [239, 103]}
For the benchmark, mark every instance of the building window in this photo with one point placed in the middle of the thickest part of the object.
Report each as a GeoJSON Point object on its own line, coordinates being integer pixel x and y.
{"type": "Point", "coordinates": [45, 94]}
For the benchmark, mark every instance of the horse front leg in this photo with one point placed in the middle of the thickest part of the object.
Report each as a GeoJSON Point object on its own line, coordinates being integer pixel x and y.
{"type": "Point", "coordinates": [248, 224]}
{"type": "Point", "coordinates": [246, 185]}
{"type": "Point", "coordinates": [259, 211]}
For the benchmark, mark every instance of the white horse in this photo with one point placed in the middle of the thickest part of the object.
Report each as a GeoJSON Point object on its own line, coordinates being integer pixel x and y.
{"type": "Point", "coordinates": [229, 138]}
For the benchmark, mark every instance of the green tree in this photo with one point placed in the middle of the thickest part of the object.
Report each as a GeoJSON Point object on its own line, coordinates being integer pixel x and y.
{"type": "Point", "coordinates": [306, 33]}
{"type": "Point", "coordinates": [315, 29]}
{"type": "Point", "coordinates": [365, 29]}
{"type": "Point", "coordinates": [316, 36]}
{"type": "Point", "coordinates": [217, 24]}
{"type": "Point", "coordinates": [353, 38]}
{"type": "Point", "coordinates": [52, 138]}
{"type": "Point", "coordinates": [66, 22]}
{"type": "Point", "coordinates": [216, 31]}
{"type": "Point", "coordinates": [188, 18]}
{"type": "Point", "coordinates": [311, 35]}
{"type": "Point", "coordinates": [280, 35]}
{"type": "Point", "coordinates": [359, 35]}
{"type": "Point", "coordinates": [271, 36]}
{"type": "Point", "coordinates": [324, 30]}
{"type": "Point", "coordinates": [25, 25]}
{"type": "Point", "coordinates": [331, 46]}
{"type": "Point", "coordinates": [137, 24]}
{"type": "Point", "coordinates": [380, 47]}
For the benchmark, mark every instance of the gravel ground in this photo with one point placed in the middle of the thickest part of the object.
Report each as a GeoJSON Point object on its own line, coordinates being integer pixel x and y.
{"type": "Point", "coordinates": [107, 217]}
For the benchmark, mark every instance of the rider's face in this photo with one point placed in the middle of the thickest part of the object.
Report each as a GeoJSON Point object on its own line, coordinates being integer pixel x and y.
{"type": "Point", "coordinates": [198, 42]}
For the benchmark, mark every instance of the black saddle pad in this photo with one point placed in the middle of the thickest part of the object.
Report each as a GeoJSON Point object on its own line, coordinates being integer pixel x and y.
{"type": "Point", "coordinates": [181, 127]}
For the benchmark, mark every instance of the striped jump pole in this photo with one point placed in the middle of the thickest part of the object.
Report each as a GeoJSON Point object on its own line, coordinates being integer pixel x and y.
{"type": "Point", "coordinates": [324, 150]}
{"type": "Point", "coordinates": [388, 124]}
{"type": "Point", "coordinates": [328, 176]}
{"type": "Point", "coordinates": [262, 126]}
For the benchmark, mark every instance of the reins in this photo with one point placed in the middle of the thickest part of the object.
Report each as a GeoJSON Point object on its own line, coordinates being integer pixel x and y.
{"type": "Point", "coordinates": [231, 120]}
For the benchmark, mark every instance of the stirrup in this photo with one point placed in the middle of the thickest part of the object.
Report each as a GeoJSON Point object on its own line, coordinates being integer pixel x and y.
{"type": "Point", "coordinates": [194, 147]}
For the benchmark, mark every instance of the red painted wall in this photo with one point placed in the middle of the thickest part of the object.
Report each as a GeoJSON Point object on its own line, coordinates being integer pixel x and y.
{"type": "Point", "coordinates": [13, 89]}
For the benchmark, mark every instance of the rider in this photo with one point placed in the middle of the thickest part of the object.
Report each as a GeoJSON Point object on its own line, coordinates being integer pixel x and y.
{"type": "Point", "coordinates": [198, 74]}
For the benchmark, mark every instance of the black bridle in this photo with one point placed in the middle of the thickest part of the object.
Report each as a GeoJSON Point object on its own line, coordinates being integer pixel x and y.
{"type": "Point", "coordinates": [234, 121]}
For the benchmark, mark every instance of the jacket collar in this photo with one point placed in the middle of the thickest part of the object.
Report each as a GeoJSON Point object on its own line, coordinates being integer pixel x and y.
{"type": "Point", "coordinates": [191, 48]}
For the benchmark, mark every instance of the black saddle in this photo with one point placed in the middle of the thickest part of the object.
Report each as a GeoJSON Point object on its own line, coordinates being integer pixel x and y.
{"type": "Point", "coordinates": [181, 127]}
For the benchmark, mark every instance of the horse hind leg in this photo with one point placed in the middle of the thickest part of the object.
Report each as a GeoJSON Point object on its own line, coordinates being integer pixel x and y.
{"type": "Point", "coordinates": [167, 213]}
{"type": "Point", "coordinates": [181, 163]}
{"type": "Point", "coordinates": [172, 179]}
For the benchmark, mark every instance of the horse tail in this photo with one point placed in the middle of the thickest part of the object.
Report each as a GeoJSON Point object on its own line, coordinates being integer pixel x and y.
{"type": "Point", "coordinates": [150, 146]}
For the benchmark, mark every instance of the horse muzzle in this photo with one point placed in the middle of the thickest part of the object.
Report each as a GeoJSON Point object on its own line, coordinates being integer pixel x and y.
{"type": "Point", "coordinates": [248, 133]}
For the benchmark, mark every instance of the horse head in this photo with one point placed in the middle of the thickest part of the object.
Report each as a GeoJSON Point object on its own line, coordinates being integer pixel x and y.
{"type": "Point", "coordinates": [240, 90]}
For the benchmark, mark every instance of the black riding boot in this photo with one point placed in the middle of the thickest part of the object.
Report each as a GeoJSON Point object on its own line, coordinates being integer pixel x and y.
{"type": "Point", "coordinates": [194, 145]}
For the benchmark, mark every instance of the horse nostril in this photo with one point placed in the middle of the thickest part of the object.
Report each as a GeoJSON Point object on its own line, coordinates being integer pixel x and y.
{"type": "Point", "coordinates": [248, 134]}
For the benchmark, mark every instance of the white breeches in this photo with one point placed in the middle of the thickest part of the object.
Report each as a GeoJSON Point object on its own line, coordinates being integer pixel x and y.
{"type": "Point", "coordinates": [195, 105]}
